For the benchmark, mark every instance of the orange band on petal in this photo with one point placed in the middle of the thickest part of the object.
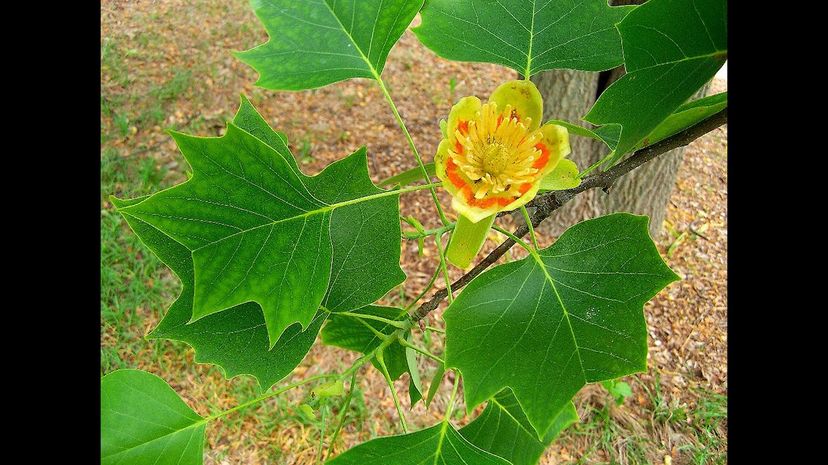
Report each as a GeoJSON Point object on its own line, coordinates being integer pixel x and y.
{"type": "Point", "coordinates": [463, 127]}
{"type": "Point", "coordinates": [524, 188]}
{"type": "Point", "coordinates": [451, 172]}
{"type": "Point", "coordinates": [503, 201]}
{"type": "Point", "coordinates": [458, 147]}
{"type": "Point", "coordinates": [544, 158]}
{"type": "Point", "coordinates": [466, 190]}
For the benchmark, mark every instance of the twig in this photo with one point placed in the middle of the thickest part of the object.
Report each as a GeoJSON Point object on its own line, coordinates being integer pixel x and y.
{"type": "Point", "coordinates": [545, 204]}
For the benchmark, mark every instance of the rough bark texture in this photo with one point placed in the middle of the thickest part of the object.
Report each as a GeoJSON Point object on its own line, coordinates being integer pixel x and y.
{"type": "Point", "coordinates": [568, 95]}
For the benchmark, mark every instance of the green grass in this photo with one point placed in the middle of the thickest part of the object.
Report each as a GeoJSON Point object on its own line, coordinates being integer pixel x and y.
{"type": "Point", "coordinates": [173, 88]}
{"type": "Point", "coordinates": [605, 434]}
{"type": "Point", "coordinates": [134, 283]}
{"type": "Point", "coordinates": [699, 433]}
{"type": "Point", "coordinates": [709, 422]}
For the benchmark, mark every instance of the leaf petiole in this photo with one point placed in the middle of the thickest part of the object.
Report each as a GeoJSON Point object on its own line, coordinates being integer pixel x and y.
{"type": "Point", "coordinates": [529, 225]}
{"type": "Point", "coordinates": [517, 240]}
{"type": "Point", "coordinates": [416, 153]}
{"type": "Point", "coordinates": [381, 360]}
{"type": "Point", "coordinates": [394, 323]}
{"type": "Point", "coordinates": [437, 240]}
{"type": "Point", "coordinates": [269, 395]}
{"type": "Point", "coordinates": [428, 232]}
{"type": "Point", "coordinates": [343, 410]}
{"type": "Point", "coordinates": [425, 352]}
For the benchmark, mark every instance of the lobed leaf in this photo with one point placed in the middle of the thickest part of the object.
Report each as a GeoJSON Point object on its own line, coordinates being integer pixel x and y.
{"type": "Point", "coordinates": [235, 339]}
{"type": "Point", "coordinates": [546, 325]}
{"type": "Point", "coordinates": [238, 339]}
{"type": "Point", "coordinates": [528, 36]}
{"type": "Point", "coordinates": [314, 43]}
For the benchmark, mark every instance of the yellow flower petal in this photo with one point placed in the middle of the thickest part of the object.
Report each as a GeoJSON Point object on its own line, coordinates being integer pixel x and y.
{"type": "Point", "coordinates": [524, 98]}
{"type": "Point", "coordinates": [461, 113]}
{"type": "Point", "coordinates": [556, 139]}
{"type": "Point", "coordinates": [523, 199]}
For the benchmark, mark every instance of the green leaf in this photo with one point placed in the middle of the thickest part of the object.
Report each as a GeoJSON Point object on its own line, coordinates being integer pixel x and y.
{"type": "Point", "coordinates": [409, 176]}
{"type": "Point", "coordinates": [503, 429]}
{"type": "Point", "coordinates": [610, 134]}
{"type": "Point", "coordinates": [439, 444]}
{"type": "Point", "coordinates": [365, 236]}
{"type": "Point", "coordinates": [307, 412]}
{"type": "Point", "coordinates": [259, 230]}
{"type": "Point", "coordinates": [685, 116]}
{"type": "Point", "coordinates": [564, 176]}
{"type": "Point", "coordinates": [548, 324]}
{"type": "Point", "coordinates": [435, 383]}
{"type": "Point", "coordinates": [314, 43]}
{"type": "Point", "coordinates": [526, 35]}
{"type": "Point", "coordinates": [237, 339]}
{"type": "Point", "coordinates": [671, 49]}
{"type": "Point", "coordinates": [415, 385]}
{"type": "Point", "coordinates": [144, 422]}
{"type": "Point", "coordinates": [234, 339]}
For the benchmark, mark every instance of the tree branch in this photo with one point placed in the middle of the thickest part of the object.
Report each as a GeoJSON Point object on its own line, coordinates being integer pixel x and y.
{"type": "Point", "coordinates": [547, 203]}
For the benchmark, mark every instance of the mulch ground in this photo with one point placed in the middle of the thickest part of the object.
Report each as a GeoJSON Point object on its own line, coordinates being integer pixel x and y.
{"type": "Point", "coordinates": [155, 41]}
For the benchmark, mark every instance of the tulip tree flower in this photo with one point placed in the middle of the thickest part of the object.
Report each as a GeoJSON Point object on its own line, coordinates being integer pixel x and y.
{"type": "Point", "coordinates": [492, 158]}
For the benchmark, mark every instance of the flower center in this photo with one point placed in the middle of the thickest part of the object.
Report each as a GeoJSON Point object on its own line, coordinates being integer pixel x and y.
{"type": "Point", "coordinates": [496, 158]}
{"type": "Point", "coordinates": [496, 150]}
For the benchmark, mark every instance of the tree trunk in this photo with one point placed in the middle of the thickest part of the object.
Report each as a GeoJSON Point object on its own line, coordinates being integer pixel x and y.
{"type": "Point", "coordinates": [568, 95]}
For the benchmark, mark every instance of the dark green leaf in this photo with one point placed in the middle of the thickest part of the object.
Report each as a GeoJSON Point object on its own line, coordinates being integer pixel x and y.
{"type": "Point", "coordinates": [503, 429]}
{"type": "Point", "coordinates": [439, 444]}
{"type": "Point", "coordinates": [144, 422]}
{"type": "Point", "coordinates": [548, 324]}
{"type": "Point", "coordinates": [415, 385]}
{"type": "Point", "coordinates": [436, 380]}
{"type": "Point", "coordinates": [234, 339]}
{"type": "Point", "coordinates": [363, 269]}
{"type": "Point", "coordinates": [237, 339]}
{"type": "Point", "coordinates": [685, 116]}
{"type": "Point", "coordinates": [671, 49]}
{"type": "Point", "coordinates": [318, 42]}
{"type": "Point", "coordinates": [258, 229]}
{"type": "Point", "coordinates": [525, 35]}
